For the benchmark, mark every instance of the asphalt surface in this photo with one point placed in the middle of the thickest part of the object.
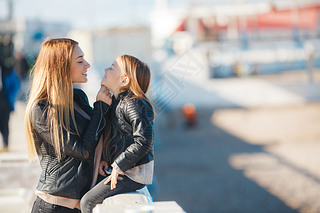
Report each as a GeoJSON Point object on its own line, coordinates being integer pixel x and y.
{"type": "Point", "coordinates": [214, 167]}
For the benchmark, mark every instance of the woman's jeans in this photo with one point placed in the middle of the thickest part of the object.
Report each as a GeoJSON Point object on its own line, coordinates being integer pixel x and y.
{"type": "Point", "coordinates": [101, 191]}
{"type": "Point", "coordinates": [42, 206]}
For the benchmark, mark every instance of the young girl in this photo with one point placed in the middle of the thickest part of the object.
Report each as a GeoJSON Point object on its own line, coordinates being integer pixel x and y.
{"type": "Point", "coordinates": [129, 144]}
{"type": "Point", "coordinates": [61, 127]}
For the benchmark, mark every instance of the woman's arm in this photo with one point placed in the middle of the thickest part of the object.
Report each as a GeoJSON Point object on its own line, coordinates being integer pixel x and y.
{"type": "Point", "coordinates": [77, 147]}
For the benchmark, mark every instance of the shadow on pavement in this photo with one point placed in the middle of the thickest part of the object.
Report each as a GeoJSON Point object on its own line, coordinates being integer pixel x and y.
{"type": "Point", "coordinates": [193, 168]}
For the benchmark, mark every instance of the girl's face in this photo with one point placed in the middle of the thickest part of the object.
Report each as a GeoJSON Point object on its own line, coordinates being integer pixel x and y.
{"type": "Point", "coordinates": [78, 66]}
{"type": "Point", "coordinates": [113, 76]}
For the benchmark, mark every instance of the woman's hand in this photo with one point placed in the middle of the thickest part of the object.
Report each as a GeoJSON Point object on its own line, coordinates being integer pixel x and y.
{"type": "Point", "coordinates": [104, 95]}
{"type": "Point", "coordinates": [102, 166]}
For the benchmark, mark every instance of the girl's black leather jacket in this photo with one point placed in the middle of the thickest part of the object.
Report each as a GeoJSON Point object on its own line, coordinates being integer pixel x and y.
{"type": "Point", "coordinates": [72, 176]}
{"type": "Point", "coordinates": [132, 122]}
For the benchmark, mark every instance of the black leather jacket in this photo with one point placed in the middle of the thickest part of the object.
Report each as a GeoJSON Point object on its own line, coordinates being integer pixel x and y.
{"type": "Point", "coordinates": [132, 121]}
{"type": "Point", "coordinates": [72, 176]}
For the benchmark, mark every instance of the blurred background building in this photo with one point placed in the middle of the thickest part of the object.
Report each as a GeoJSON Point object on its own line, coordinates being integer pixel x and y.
{"type": "Point", "coordinates": [242, 38]}
{"type": "Point", "coordinates": [236, 38]}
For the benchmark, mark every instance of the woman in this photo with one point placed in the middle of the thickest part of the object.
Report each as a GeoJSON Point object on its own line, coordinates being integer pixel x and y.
{"type": "Point", "coordinates": [61, 128]}
{"type": "Point", "coordinates": [129, 144]}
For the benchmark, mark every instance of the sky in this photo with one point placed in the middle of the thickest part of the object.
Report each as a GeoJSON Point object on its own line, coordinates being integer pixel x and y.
{"type": "Point", "coordinates": [86, 14]}
{"type": "Point", "coordinates": [83, 13]}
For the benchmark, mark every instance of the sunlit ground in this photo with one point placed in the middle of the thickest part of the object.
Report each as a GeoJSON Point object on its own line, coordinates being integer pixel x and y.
{"type": "Point", "coordinates": [260, 155]}
{"type": "Point", "coordinates": [289, 167]}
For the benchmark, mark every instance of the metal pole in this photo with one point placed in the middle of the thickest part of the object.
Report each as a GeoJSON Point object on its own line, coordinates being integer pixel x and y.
{"type": "Point", "coordinates": [10, 10]}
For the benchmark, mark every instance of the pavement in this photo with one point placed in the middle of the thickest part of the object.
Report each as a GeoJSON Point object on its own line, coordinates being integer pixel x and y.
{"type": "Point", "coordinates": [286, 89]}
{"type": "Point", "coordinates": [18, 177]}
{"type": "Point", "coordinates": [255, 148]}
{"type": "Point", "coordinates": [242, 160]}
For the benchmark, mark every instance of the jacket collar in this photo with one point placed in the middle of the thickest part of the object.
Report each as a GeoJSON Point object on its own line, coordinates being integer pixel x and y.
{"type": "Point", "coordinates": [124, 94]}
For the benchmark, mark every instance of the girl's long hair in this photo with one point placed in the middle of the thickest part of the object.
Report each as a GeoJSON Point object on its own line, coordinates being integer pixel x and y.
{"type": "Point", "coordinates": [139, 74]}
{"type": "Point", "coordinates": [52, 83]}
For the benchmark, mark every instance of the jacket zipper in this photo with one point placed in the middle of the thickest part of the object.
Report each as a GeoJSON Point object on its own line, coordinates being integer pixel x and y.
{"type": "Point", "coordinates": [53, 169]}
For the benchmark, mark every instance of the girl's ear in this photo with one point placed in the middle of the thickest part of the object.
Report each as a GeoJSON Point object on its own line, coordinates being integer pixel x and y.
{"type": "Point", "coordinates": [125, 81]}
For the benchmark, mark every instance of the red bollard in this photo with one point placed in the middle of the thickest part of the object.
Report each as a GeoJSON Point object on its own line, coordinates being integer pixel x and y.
{"type": "Point", "coordinates": [190, 115]}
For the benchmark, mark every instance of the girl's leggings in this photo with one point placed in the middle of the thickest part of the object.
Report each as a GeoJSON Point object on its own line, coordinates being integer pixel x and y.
{"type": "Point", "coordinates": [101, 191]}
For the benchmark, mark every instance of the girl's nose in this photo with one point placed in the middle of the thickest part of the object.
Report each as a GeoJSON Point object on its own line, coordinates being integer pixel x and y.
{"type": "Point", "coordinates": [87, 65]}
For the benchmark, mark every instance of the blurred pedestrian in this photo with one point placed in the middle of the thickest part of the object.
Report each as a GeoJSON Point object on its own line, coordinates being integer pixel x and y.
{"type": "Point", "coordinates": [128, 145]}
{"type": "Point", "coordinates": [9, 88]}
{"type": "Point", "coordinates": [21, 67]}
{"type": "Point", "coordinates": [61, 127]}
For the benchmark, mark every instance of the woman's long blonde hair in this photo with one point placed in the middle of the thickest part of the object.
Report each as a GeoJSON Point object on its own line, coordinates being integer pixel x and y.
{"type": "Point", "coordinates": [52, 83]}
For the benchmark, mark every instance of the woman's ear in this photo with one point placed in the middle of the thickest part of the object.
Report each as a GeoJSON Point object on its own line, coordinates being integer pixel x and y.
{"type": "Point", "coordinates": [125, 81]}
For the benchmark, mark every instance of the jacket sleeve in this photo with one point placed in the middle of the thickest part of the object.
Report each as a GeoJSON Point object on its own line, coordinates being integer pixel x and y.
{"type": "Point", "coordinates": [77, 147]}
{"type": "Point", "coordinates": [140, 116]}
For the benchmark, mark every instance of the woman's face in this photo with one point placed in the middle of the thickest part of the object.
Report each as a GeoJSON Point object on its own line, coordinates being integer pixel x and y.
{"type": "Point", "coordinates": [79, 66]}
{"type": "Point", "coordinates": [113, 76]}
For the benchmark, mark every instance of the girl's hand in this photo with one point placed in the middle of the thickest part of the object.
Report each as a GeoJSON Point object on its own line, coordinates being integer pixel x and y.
{"type": "Point", "coordinates": [104, 95]}
{"type": "Point", "coordinates": [113, 178]}
{"type": "Point", "coordinates": [102, 165]}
